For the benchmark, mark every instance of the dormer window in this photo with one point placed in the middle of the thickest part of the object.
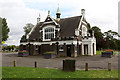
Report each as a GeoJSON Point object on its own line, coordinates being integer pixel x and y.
{"type": "Point", "coordinates": [48, 33]}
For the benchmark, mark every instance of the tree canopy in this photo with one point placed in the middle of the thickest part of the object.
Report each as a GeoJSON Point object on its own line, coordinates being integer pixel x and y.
{"type": "Point", "coordinates": [5, 30]}
{"type": "Point", "coordinates": [28, 28]}
{"type": "Point", "coordinates": [106, 40]}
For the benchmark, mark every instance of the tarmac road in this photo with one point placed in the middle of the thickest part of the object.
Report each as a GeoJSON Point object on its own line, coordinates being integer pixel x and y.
{"type": "Point", "coordinates": [94, 62]}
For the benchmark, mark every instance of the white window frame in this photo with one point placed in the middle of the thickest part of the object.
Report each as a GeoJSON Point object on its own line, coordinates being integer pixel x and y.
{"type": "Point", "coordinates": [84, 33]}
{"type": "Point", "coordinates": [60, 48]}
{"type": "Point", "coordinates": [48, 26]}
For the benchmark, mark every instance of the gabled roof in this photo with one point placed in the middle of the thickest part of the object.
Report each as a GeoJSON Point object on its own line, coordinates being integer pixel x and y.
{"type": "Point", "coordinates": [68, 26]}
{"type": "Point", "coordinates": [35, 33]}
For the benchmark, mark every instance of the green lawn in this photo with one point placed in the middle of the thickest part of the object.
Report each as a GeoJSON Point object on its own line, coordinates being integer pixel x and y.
{"type": "Point", "coordinates": [30, 72]}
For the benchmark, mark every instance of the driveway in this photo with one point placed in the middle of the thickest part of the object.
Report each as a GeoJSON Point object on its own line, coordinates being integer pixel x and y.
{"type": "Point", "coordinates": [94, 62]}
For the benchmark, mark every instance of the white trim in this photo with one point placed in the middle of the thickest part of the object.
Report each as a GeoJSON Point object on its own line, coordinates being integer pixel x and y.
{"type": "Point", "coordinates": [75, 42]}
{"type": "Point", "coordinates": [84, 22]}
{"type": "Point", "coordinates": [51, 42]}
{"type": "Point", "coordinates": [58, 29]}
{"type": "Point", "coordinates": [80, 22]}
{"type": "Point", "coordinates": [54, 21]}
{"type": "Point", "coordinates": [24, 43]}
{"type": "Point", "coordinates": [47, 22]}
{"type": "Point", "coordinates": [31, 31]}
{"type": "Point", "coordinates": [48, 26]}
{"type": "Point", "coordinates": [61, 50]}
{"type": "Point", "coordinates": [40, 31]}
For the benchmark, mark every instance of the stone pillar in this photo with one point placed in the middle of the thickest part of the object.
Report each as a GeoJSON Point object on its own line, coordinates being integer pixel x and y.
{"type": "Point", "coordinates": [90, 49]}
{"type": "Point", "coordinates": [75, 50]}
{"type": "Point", "coordinates": [95, 48]}
{"type": "Point", "coordinates": [35, 49]}
{"type": "Point", "coordinates": [82, 49]}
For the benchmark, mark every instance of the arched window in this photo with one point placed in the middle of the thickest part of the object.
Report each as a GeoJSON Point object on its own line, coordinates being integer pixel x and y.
{"type": "Point", "coordinates": [84, 31]}
{"type": "Point", "coordinates": [49, 33]}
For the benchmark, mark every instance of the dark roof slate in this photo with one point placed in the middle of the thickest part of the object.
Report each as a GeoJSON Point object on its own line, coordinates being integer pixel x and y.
{"type": "Point", "coordinates": [67, 27]}
{"type": "Point", "coordinates": [35, 33]}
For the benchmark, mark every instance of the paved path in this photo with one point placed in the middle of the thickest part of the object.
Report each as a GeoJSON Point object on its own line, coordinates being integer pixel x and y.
{"type": "Point", "coordinates": [94, 62]}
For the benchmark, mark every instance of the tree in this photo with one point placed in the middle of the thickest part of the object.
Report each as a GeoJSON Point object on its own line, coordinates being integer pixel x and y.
{"type": "Point", "coordinates": [5, 30]}
{"type": "Point", "coordinates": [113, 43]}
{"type": "Point", "coordinates": [28, 28]}
{"type": "Point", "coordinates": [118, 44]}
{"type": "Point", "coordinates": [97, 32]}
{"type": "Point", "coordinates": [99, 37]}
{"type": "Point", "coordinates": [110, 34]}
{"type": "Point", "coordinates": [89, 28]}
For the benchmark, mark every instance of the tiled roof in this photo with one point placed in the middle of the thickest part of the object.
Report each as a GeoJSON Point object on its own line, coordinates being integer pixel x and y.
{"type": "Point", "coordinates": [67, 27]}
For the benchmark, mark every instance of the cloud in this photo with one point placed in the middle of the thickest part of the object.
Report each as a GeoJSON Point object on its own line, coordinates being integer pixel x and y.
{"type": "Point", "coordinates": [101, 13]}
{"type": "Point", "coordinates": [18, 15]}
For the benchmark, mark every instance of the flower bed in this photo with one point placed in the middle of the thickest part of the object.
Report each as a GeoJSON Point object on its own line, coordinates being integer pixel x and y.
{"type": "Point", "coordinates": [23, 53]}
{"type": "Point", "coordinates": [48, 55]}
{"type": "Point", "coordinates": [110, 51]}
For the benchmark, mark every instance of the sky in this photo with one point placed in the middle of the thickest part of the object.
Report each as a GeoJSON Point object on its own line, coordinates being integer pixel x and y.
{"type": "Point", "coordinates": [100, 13]}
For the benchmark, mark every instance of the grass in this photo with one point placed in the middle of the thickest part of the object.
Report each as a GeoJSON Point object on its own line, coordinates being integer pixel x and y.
{"type": "Point", "coordinates": [30, 72]}
{"type": "Point", "coordinates": [99, 52]}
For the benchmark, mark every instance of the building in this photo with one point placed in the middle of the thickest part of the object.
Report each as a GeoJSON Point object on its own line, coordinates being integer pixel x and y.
{"type": "Point", "coordinates": [65, 36]}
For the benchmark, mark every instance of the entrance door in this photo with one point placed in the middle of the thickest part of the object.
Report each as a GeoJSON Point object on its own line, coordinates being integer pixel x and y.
{"type": "Point", "coordinates": [85, 49]}
{"type": "Point", "coordinates": [69, 50]}
{"type": "Point", "coordinates": [39, 49]}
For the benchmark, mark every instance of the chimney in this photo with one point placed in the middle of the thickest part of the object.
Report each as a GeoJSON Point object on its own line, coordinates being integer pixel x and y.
{"type": "Point", "coordinates": [48, 13]}
{"type": "Point", "coordinates": [38, 19]}
{"type": "Point", "coordinates": [83, 12]}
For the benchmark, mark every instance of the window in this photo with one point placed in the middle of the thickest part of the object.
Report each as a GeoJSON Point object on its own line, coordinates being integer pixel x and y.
{"type": "Point", "coordinates": [76, 32]}
{"type": "Point", "coordinates": [49, 33]}
{"type": "Point", "coordinates": [84, 31]}
{"type": "Point", "coordinates": [61, 48]}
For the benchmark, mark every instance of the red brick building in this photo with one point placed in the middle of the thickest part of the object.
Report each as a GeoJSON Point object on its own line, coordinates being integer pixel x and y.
{"type": "Point", "coordinates": [65, 36]}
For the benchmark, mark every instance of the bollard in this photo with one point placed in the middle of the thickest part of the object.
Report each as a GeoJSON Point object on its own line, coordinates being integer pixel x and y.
{"type": "Point", "coordinates": [86, 66]}
{"type": "Point", "coordinates": [109, 66]}
{"type": "Point", "coordinates": [14, 63]}
{"type": "Point", "coordinates": [35, 64]}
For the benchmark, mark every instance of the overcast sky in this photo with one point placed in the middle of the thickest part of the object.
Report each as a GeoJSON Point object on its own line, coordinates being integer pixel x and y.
{"type": "Point", "coordinates": [100, 13]}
